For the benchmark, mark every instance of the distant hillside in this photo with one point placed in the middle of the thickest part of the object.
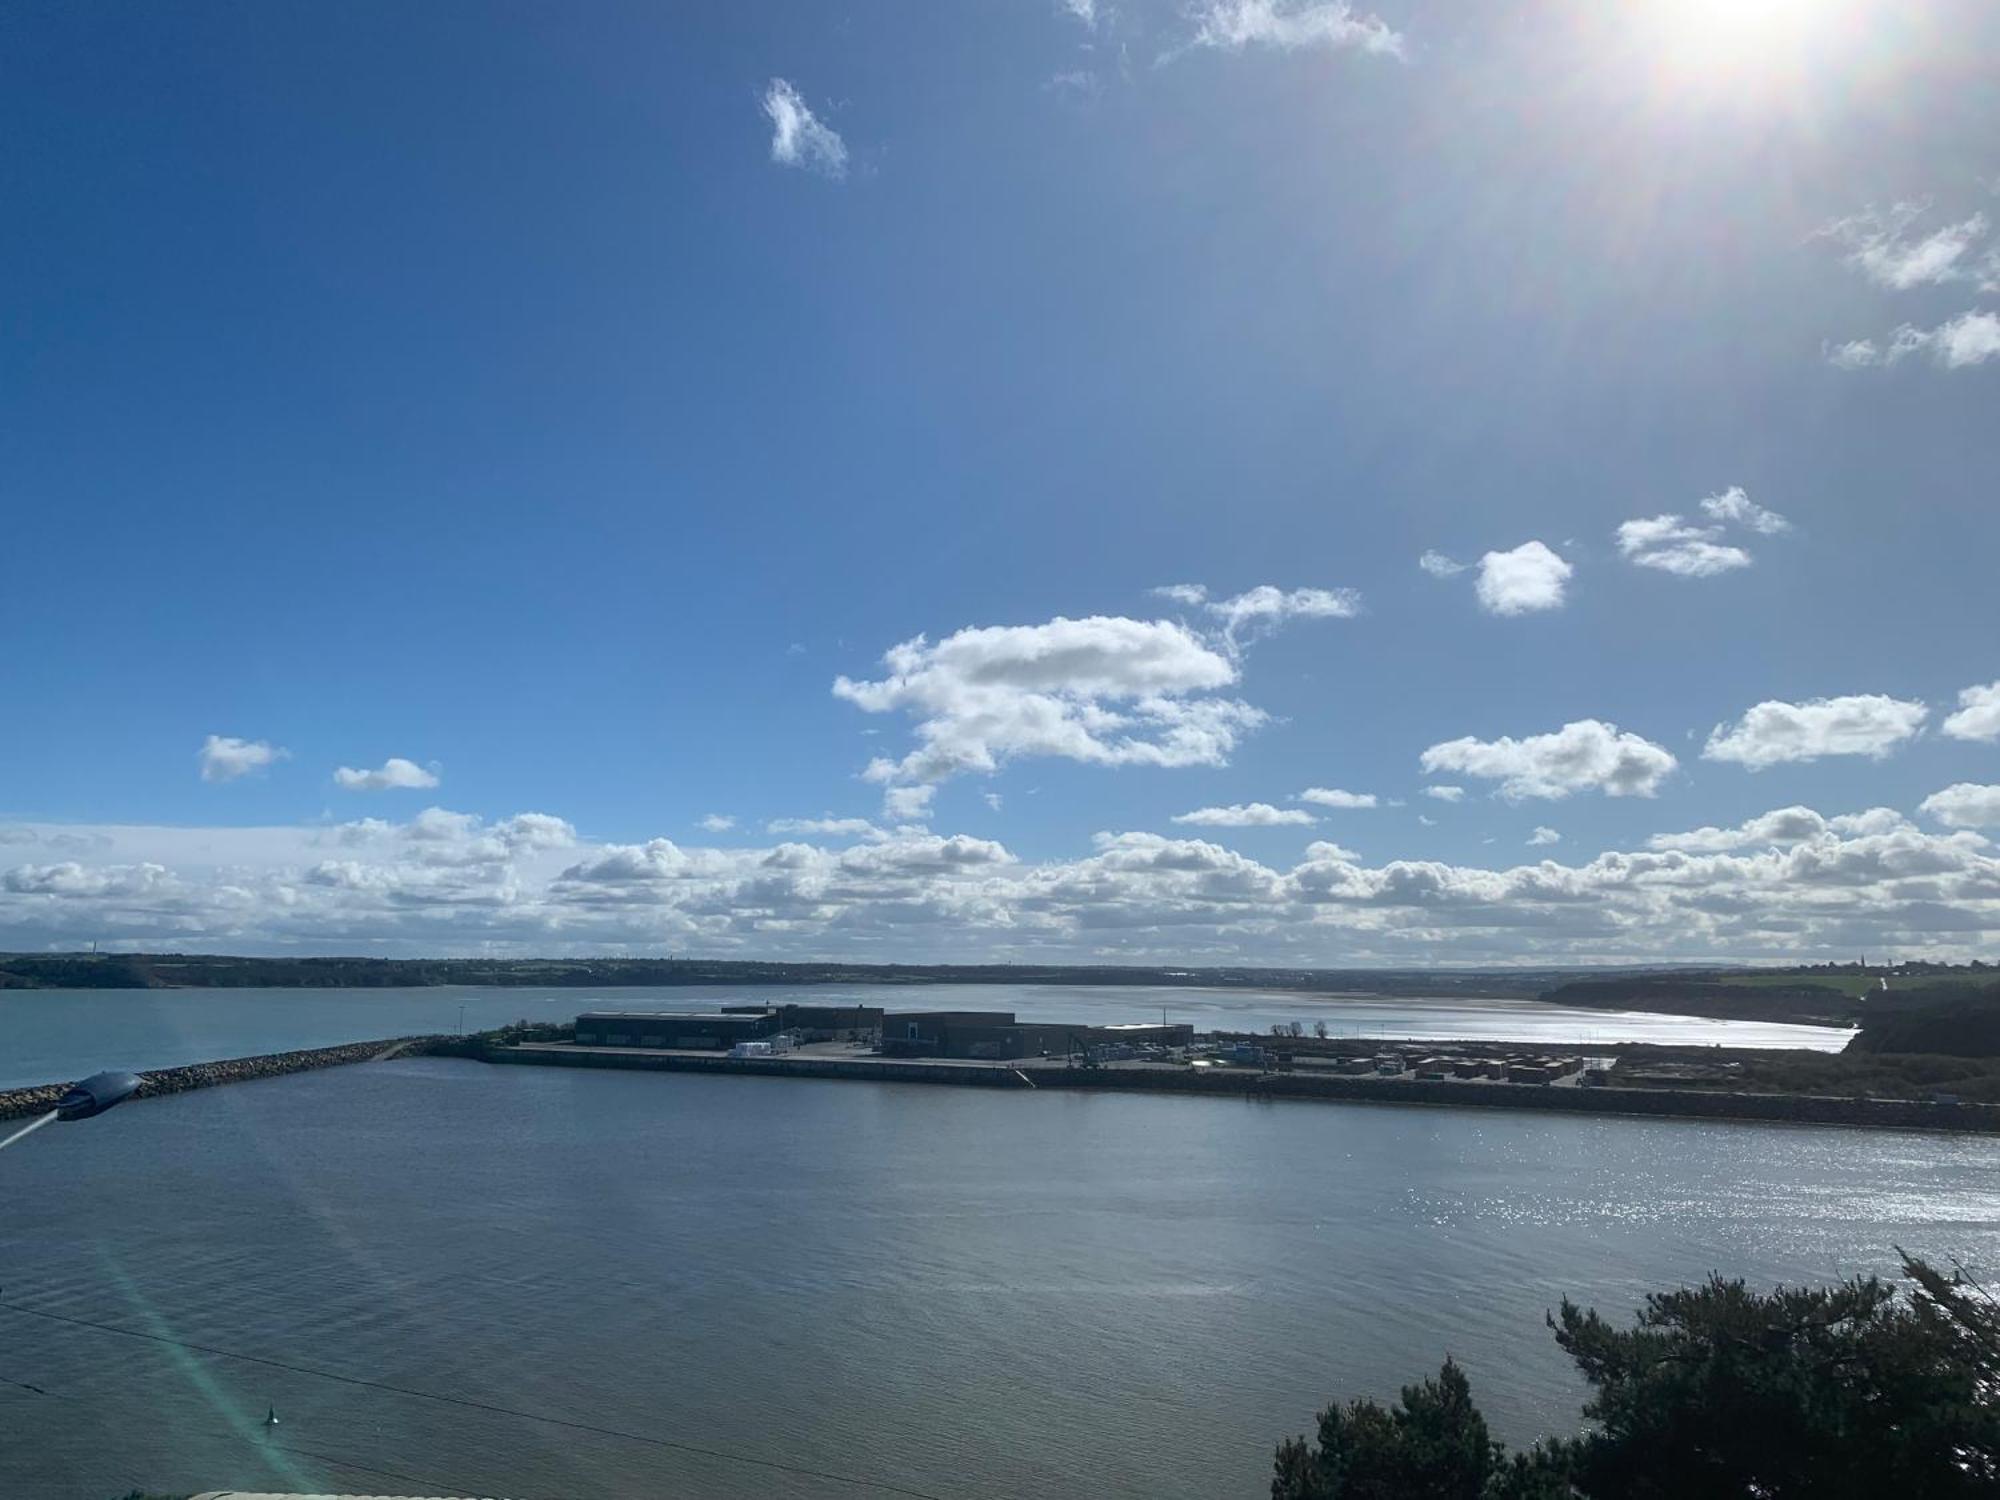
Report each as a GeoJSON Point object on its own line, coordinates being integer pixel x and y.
{"type": "Point", "coordinates": [179, 970]}
{"type": "Point", "coordinates": [1762, 997]}
{"type": "Point", "coordinates": [1943, 1020]}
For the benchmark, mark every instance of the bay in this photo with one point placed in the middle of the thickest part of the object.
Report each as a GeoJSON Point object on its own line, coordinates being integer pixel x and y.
{"type": "Point", "coordinates": [50, 1036]}
{"type": "Point", "coordinates": [956, 1292]}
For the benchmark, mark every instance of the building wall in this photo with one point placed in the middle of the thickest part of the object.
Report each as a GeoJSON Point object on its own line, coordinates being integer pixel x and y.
{"type": "Point", "coordinates": [821, 1023]}
{"type": "Point", "coordinates": [655, 1029]}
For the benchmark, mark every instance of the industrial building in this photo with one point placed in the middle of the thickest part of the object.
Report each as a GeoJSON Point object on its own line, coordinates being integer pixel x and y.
{"type": "Point", "coordinates": [683, 1029]}
{"type": "Point", "coordinates": [821, 1023]}
{"type": "Point", "coordinates": [994, 1035]}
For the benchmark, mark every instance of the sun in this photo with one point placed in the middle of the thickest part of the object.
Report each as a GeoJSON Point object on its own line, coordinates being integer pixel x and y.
{"type": "Point", "coordinates": [1717, 41]}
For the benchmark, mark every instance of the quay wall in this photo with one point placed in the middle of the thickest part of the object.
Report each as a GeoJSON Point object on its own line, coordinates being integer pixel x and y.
{"type": "Point", "coordinates": [1902, 1114]}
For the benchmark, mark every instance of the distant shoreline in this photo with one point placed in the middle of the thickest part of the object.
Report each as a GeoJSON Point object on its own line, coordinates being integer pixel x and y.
{"type": "Point", "coordinates": [1655, 991]}
{"type": "Point", "coordinates": [215, 971]}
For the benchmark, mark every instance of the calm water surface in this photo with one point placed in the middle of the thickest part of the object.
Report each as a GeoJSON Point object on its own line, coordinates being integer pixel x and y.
{"type": "Point", "coordinates": [49, 1036]}
{"type": "Point", "coordinates": [966, 1294]}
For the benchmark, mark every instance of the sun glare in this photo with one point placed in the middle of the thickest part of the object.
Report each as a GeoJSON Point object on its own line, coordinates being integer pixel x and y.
{"type": "Point", "coordinates": [1697, 42]}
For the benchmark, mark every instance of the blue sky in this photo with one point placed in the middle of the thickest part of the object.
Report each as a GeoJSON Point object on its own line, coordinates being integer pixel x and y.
{"type": "Point", "coordinates": [564, 402]}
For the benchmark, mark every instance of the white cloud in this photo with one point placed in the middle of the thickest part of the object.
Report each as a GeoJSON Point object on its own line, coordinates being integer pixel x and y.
{"type": "Point", "coordinates": [1530, 577]}
{"type": "Point", "coordinates": [1542, 837]}
{"type": "Point", "coordinates": [1793, 884]}
{"type": "Point", "coordinates": [1978, 716]}
{"type": "Point", "coordinates": [1326, 796]}
{"type": "Point", "coordinates": [1965, 805]}
{"type": "Point", "coordinates": [1855, 354]}
{"type": "Point", "coordinates": [1735, 506]}
{"type": "Point", "coordinates": [908, 804]}
{"type": "Point", "coordinates": [1268, 607]}
{"type": "Point", "coordinates": [992, 801]}
{"type": "Point", "coordinates": [1673, 545]}
{"type": "Point", "coordinates": [1445, 793]}
{"type": "Point", "coordinates": [1426, 821]}
{"type": "Point", "coordinates": [1082, 10]}
{"type": "Point", "coordinates": [1106, 691]}
{"type": "Point", "coordinates": [1971, 338]}
{"type": "Point", "coordinates": [1586, 755]}
{"type": "Point", "coordinates": [1881, 246]}
{"type": "Point", "coordinates": [224, 758]}
{"type": "Point", "coordinates": [1775, 732]}
{"type": "Point", "coordinates": [1246, 815]}
{"type": "Point", "coordinates": [1668, 543]}
{"type": "Point", "coordinates": [829, 827]}
{"type": "Point", "coordinates": [1264, 607]}
{"type": "Point", "coordinates": [716, 822]}
{"type": "Point", "coordinates": [534, 831]}
{"type": "Point", "coordinates": [798, 137]}
{"type": "Point", "coordinates": [1289, 25]}
{"type": "Point", "coordinates": [1439, 566]}
{"type": "Point", "coordinates": [1785, 825]}
{"type": "Point", "coordinates": [394, 774]}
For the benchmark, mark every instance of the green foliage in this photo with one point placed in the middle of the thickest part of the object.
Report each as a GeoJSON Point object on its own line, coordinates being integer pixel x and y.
{"type": "Point", "coordinates": [1432, 1445]}
{"type": "Point", "coordinates": [1849, 1074]}
{"type": "Point", "coordinates": [1839, 1393]}
{"type": "Point", "coordinates": [1955, 1020]}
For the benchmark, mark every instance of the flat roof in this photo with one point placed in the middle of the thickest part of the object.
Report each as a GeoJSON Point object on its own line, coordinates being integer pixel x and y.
{"type": "Point", "coordinates": [669, 1015]}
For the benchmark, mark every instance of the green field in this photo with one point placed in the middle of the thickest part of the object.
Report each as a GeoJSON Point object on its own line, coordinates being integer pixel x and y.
{"type": "Point", "coordinates": [1854, 985]}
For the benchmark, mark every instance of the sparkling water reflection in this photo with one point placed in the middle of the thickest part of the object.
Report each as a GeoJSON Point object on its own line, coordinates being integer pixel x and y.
{"type": "Point", "coordinates": [960, 1292]}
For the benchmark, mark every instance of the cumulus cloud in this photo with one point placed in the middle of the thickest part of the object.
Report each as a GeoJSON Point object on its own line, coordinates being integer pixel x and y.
{"type": "Point", "coordinates": [1529, 577]}
{"type": "Point", "coordinates": [1735, 507]}
{"type": "Point", "coordinates": [828, 827]}
{"type": "Point", "coordinates": [907, 804]}
{"type": "Point", "coordinates": [1543, 836]}
{"type": "Point", "coordinates": [1971, 338]}
{"type": "Point", "coordinates": [715, 822]}
{"type": "Point", "coordinates": [1792, 884]}
{"type": "Point", "coordinates": [224, 757]}
{"type": "Point", "coordinates": [1978, 716]}
{"type": "Point", "coordinates": [1330, 796]}
{"type": "Point", "coordinates": [1775, 732]}
{"type": "Point", "coordinates": [1668, 543]}
{"type": "Point", "coordinates": [534, 831]}
{"type": "Point", "coordinates": [1246, 815]}
{"type": "Point", "coordinates": [1883, 247]}
{"type": "Point", "coordinates": [1291, 25]}
{"type": "Point", "coordinates": [1105, 691]}
{"type": "Point", "coordinates": [393, 774]}
{"type": "Point", "coordinates": [1445, 793]}
{"type": "Point", "coordinates": [1586, 755]}
{"type": "Point", "coordinates": [798, 137]}
{"type": "Point", "coordinates": [1784, 825]}
{"type": "Point", "coordinates": [1964, 805]}
{"type": "Point", "coordinates": [1674, 545]}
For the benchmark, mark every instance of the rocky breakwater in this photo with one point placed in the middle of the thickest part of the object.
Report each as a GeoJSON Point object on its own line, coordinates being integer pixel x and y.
{"type": "Point", "coordinates": [21, 1103]}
